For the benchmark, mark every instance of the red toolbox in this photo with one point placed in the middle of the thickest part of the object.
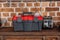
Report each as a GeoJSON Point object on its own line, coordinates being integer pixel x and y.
{"type": "Point", "coordinates": [27, 23]}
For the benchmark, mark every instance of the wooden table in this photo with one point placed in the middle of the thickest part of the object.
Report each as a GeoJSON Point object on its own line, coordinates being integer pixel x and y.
{"type": "Point", "coordinates": [9, 34]}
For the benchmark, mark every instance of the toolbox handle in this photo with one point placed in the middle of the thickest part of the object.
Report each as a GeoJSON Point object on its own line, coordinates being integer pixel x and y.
{"type": "Point", "coordinates": [19, 19]}
{"type": "Point", "coordinates": [35, 19]}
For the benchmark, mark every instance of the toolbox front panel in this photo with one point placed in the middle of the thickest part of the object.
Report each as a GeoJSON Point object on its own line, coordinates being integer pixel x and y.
{"type": "Point", "coordinates": [40, 25]}
{"type": "Point", "coordinates": [27, 26]}
{"type": "Point", "coordinates": [35, 26]}
{"type": "Point", "coordinates": [18, 26]}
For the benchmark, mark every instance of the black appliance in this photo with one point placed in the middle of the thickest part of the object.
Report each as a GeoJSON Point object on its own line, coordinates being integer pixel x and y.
{"type": "Point", "coordinates": [48, 22]}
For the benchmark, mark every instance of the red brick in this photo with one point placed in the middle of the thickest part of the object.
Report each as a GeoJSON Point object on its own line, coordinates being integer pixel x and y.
{"type": "Point", "coordinates": [25, 9]}
{"type": "Point", "coordinates": [52, 13]}
{"type": "Point", "coordinates": [21, 4]}
{"type": "Point", "coordinates": [5, 14]}
{"type": "Point", "coordinates": [0, 5]}
{"type": "Point", "coordinates": [9, 19]}
{"type": "Point", "coordinates": [13, 14]}
{"type": "Point", "coordinates": [29, 4]}
{"type": "Point", "coordinates": [13, 4]}
{"type": "Point", "coordinates": [45, 4]}
{"type": "Point", "coordinates": [36, 4]}
{"type": "Point", "coordinates": [56, 18]}
{"type": "Point", "coordinates": [22, 9]}
{"type": "Point", "coordinates": [35, 9]}
{"type": "Point", "coordinates": [52, 9]}
{"type": "Point", "coordinates": [58, 3]}
{"type": "Point", "coordinates": [44, 13]}
{"type": "Point", "coordinates": [52, 4]}
{"type": "Point", "coordinates": [1, 9]}
{"type": "Point", "coordinates": [6, 4]}
{"type": "Point", "coordinates": [58, 13]}
{"type": "Point", "coordinates": [18, 9]}
{"type": "Point", "coordinates": [7, 10]}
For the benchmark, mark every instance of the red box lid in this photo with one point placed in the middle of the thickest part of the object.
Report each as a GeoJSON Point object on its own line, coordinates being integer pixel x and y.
{"type": "Point", "coordinates": [14, 18]}
{"type": "Point", "coordinates": [30, 17]}
{"type": "Point", "coordinates": [24, 17]}
{"type": "Point", "coordinates": [40, 18]}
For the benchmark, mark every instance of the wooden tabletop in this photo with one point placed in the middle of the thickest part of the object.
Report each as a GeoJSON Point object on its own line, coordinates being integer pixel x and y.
{"type": "Point", "coordinates": [10, 31]}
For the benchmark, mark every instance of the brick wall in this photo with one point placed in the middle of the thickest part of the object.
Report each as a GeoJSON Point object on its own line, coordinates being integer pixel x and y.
{"type": "Point", "coordinates": [7, 10]}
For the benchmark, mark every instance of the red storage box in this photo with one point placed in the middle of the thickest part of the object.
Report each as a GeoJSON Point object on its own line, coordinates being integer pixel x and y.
{"type": "Point", "coordinates": [40, 18]}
